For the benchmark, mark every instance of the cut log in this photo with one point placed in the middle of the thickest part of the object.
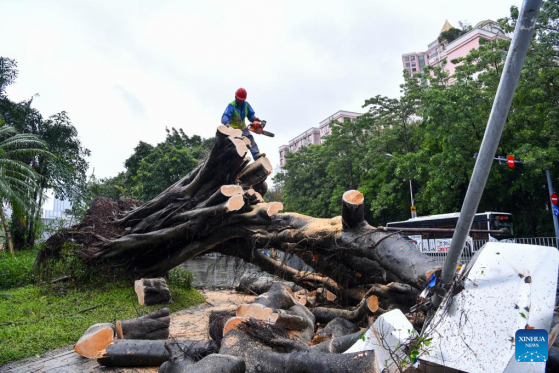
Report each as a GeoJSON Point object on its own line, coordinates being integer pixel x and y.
{"type": "Point", "coordinates": [134, 353]}
{"type": "Point", "coordinates": [260, 359]}
{"type": "Point", "coordinates": [221, 195]}
{"type": "Point", "coordinates": [289, 321]}
{"type": "Point", "coordinates": [278, 297]}
{"type": "Point", "coordinates": [274, 208]}
{"type": "Point", "coordinates": [255, 310]}
{"type": "Point", "coordinates": [152, 291]}
{"type": "Point", "coordinates": [352, 209]}
{"type": "Point", "coordinates": [255, 173]}
{"type": "Point", "coordinates": [233, 323]}
{"type": "Point", "coordinates": [261, 188]}
{"type": "Point", "coordinates": [154, 325]}
{"type": "Point", "coordinates": [336, 328]}
{"type": "Point", "coordinates": [176, 365]}
{"type": "Point", "coordinates": [218, 363]}
{"type": "Point", "coordinates": [95, 339]}
{"type": "Point", "coordinates": [149, 353]}
{"type": "Point", "coordinates": [325, 315]}
{"type": "Point", "coordinates": [251, 284]}
{"type": "Point", "coordinates": [327, 294]}
{"type": "Point", "coordinates": [216, 323]}
{"type": "Point", "coordinates": [337, 345]}
{"type": "Point", "coordinates": [306, 334]}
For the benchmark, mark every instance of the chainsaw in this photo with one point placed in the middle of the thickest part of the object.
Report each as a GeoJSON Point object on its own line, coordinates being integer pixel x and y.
{"type": "Point", "coordinates": [258, 128]}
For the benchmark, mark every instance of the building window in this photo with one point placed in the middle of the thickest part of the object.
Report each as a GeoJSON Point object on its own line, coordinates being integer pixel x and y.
{"type": "Point", "coordinates": [413, 64]}
{"type": "Point", "coordinates": [406, 58]}
{"type": "Point", "coordinates": [310, 138]}
{"type": "Point", "coordinates": [413, 58]}
{"type": "Point", "coordinates": [408, 64]}
{"type": "Point", "coordinates": [421, 62]}
{"type": "Point", "coordinates": [414, 69]}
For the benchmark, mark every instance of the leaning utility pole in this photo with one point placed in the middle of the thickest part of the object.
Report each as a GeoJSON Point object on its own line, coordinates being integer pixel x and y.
{"type": "Point", "coordinates": [501, 106]}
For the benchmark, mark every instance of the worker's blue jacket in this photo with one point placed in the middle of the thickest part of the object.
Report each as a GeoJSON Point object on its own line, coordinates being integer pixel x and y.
{"type": "Point", "coordinates": [235, 115]}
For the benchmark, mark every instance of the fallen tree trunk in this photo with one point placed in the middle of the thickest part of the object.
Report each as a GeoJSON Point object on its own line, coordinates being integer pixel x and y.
{"type": "Point", "coordinates": [325, 315]}
{"type": "Point", "coordinates": [215, 208]}
{"type": "Point", "coordinates": [339, 344]}
{"type": "Point", "coordinates": [154, 325]}
{"type": "Point", "coordinates": [149, 353]}
{"type": "Point", "coordinates": [219, 363]}
{"type": "Point", "coordinates": [259, 358]}
{"type": "Point", "coordinates": [335, 328]}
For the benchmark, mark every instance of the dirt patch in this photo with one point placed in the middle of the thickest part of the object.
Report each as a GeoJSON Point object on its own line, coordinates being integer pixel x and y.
{"type": "Point", "coordinates": [192, 323]}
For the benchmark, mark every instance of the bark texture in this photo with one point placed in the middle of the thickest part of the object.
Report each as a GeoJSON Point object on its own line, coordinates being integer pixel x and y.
{"type": "Point", "coordinates": [154, 325]}
{"type": "Point", "coordinates": [217, 208]}
{"type": "Point", "coordinates": [152, 291]}
{"type": "Point", "coordinates": [151, 353]}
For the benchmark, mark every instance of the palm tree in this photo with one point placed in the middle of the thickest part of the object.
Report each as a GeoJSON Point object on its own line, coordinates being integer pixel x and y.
{"type": "Point", "coordinates": [17, 179]}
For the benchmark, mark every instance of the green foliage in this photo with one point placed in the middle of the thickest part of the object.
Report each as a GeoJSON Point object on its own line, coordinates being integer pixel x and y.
{"type": "Point", "coordinates": [432, 132]}
{"type": "Point", "coordinates": [64, 173]}
{"type": "Point", "coordinates": [17, 179]}
{"type": "Point", "coordinates": [17, 270]}
{"type": "Point", "coordinates": [152, 169]}
{"type": "Point", "coordinates": [45, 318]}
{"type": "Point", "coordinates": [416, 347]}
{"type": "Point", "coordinates": [180, 277]}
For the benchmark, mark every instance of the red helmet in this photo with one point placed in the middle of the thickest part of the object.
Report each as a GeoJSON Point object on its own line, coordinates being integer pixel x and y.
{"type": "Point", "coordinates": [241, 94]}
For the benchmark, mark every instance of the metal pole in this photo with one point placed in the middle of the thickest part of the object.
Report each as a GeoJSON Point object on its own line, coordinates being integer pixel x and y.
{"type": "Point", "coordinates": [503, 99]}
{"type": "Point", "coordinates": [413, 213]}
{"type": "Point", "coordinates": [550, 187]}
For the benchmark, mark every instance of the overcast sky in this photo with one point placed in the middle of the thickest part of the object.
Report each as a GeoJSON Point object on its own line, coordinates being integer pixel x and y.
{"type": "Point", "coordinates": [125, 70]}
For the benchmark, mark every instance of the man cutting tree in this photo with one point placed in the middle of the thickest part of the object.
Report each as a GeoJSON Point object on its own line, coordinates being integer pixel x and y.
{"type": "Point", "coordinates": [235, 115]}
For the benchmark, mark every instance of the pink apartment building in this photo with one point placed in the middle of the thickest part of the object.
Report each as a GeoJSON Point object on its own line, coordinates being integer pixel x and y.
{"type": "Point", "coordinates": [437, 52]}
{"type": "Point", "coordinates": [314, 135]}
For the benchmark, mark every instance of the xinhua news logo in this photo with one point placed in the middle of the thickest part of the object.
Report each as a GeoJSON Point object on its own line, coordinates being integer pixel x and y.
{"type": "Point", "coordinates": [531, 345]}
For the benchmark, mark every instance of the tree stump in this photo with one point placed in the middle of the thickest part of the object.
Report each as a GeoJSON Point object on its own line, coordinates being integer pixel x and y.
{"type": "Point", "coordinates": [152, 291]}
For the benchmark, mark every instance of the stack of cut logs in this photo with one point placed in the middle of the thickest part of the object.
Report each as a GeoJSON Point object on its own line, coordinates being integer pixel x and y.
{"type": "Point", "coordinates": [285, 329]}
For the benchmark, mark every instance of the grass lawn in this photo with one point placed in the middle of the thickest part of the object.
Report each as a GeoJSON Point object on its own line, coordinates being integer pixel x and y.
{"type": "Point", "coordinates": [46, 317]}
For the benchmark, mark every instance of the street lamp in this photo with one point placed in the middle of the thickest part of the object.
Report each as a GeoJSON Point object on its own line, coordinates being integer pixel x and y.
{"type": "Point", "coordinates": [412, 207]}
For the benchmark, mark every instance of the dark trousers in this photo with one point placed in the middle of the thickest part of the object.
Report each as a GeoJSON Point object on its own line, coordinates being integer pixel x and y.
{"type": "Point", "coordinates": [253, 147]}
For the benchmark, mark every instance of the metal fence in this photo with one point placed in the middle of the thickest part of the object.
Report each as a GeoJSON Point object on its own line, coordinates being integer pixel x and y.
{"type": "Point", "coordinates": [469, 251]}
{"type": "Point", "coordinates": [540, 241]}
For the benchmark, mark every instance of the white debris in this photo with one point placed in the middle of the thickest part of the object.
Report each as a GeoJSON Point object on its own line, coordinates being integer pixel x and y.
{"type": "Point", "coordinates": [389, 332]}
{"type": "Point", "coordinates": [508, 287]}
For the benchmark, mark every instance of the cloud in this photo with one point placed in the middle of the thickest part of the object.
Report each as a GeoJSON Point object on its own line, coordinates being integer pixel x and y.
{"type": "Point", "coordinates": [125, 70]}
{"type": "Point", "coordinates": [133, 103]}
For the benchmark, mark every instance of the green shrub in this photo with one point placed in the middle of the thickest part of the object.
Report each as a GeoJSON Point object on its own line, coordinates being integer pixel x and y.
{"type": "Point", "coordinates": [180, 277]}
{"type": "Point", "coordinates": [17, 271]}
